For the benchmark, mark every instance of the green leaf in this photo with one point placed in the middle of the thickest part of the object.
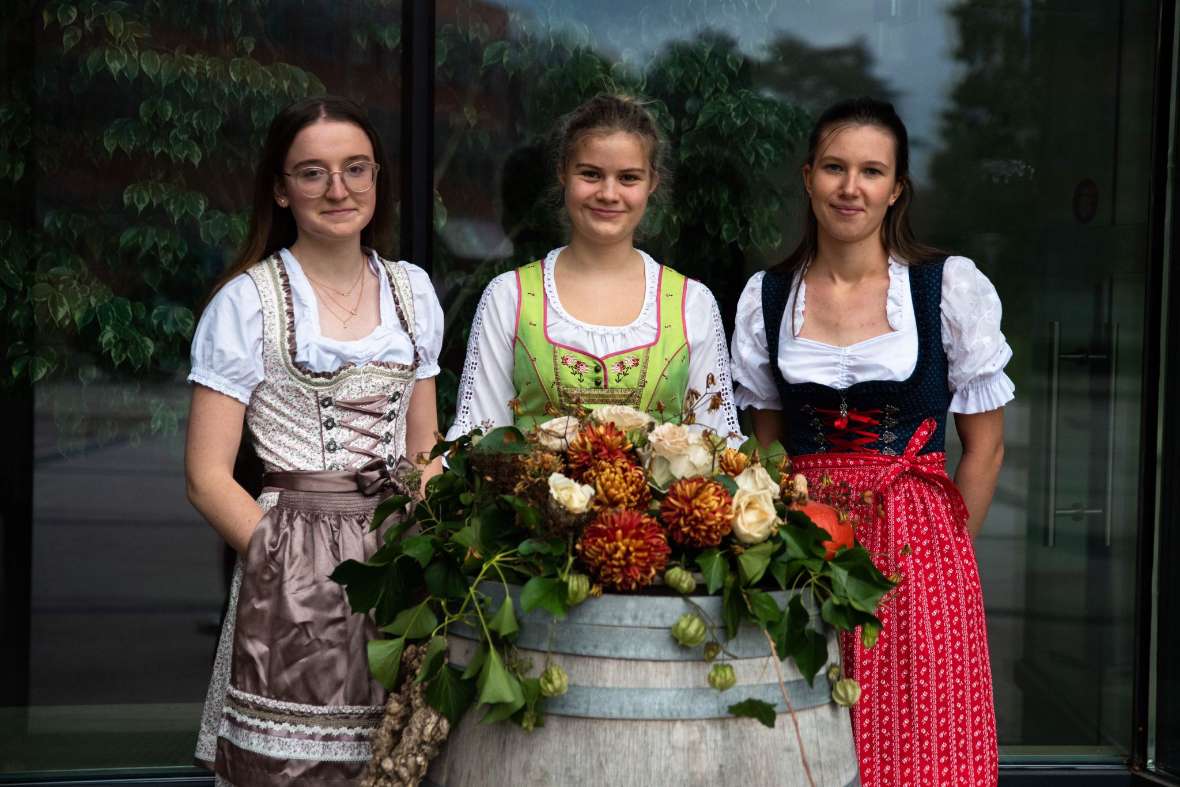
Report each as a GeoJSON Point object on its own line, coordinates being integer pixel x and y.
{"type": "Point", "coordinates": [755, 709]}
{"type": "Point", "coordinates": [494, 53]}
{"type": "Point", "coordinates": [362, 581]}
{"type": "Point", "coordinates": [444, 579]}
{"type": "Point", "coordinates": [496, 683]}
{"type": "Point", "coordinates": [450, 694]}
{"type": "Point", "coordinates": [764, 608]}
{"type": "Point", "coordinates": [733, 608]}
{"type": "Point", "coordinates": [837, 614]}
{"type": "Point", "coordinates": [149, 61]}
{"type": "Point", "coordinates": [537, 546]}
{"type": "Point", "coordinates": [391, 506]}
{"type": "Point", "coordinates": [503, 440]}
{"type": "Point", "coordinates": [504, 621]}
{"type": "Point", "coordinates": [420, 548]}
{"type": "Point", "coordinates": [714, 567]}
{"type": "Point", "coordinates": [811, 655]}
{"type": "Point", "coordinates": [66, 14]}
{"type": "Point", "coordinates": [115, 24]}
{"type": "Point", "coordinates": [70, 38]}
{"type": "Point", "coordinates": [477, 659]}
{"type": "Point", "coordinates": [753, 561]}
{"type": "Point", "coordinates": [528, 516]}
{"type": "Point", "coordinates": [431, 659]}
{"type": "Point", "coordinates": [855, 578]}
{"type": "Point", "coordinates": [385, 659]}
{"type": "Point", "coordinates": [548, 594]}
{"type": "Point", "coordinates": [413, 623]}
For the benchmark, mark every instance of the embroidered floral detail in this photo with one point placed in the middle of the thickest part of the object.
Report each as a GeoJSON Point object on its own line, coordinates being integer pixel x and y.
{"type": "Point", "coordinates": [578, 367]}
{"type": "Point", "coordinates": [624, 365]}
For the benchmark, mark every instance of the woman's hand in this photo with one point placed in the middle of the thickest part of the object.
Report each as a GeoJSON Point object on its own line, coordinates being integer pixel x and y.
{"type": "Point", "coordinates": [422, 429]}
{"type": "Point", "coordinates": [768, 425]}
{"type": "Point", "coordinates": [214, 433]}
{"type": "Point", "coordinates": [982, 435]}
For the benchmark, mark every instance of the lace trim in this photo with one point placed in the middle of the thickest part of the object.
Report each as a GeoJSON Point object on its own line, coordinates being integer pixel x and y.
{"type": "Point", "coordinates": [219, 682]}
{"type": "Point", "coordinates": [651, 273]}
{"type": "Point", "coordinates": [309, 729]}
{"type": "Point", "coordinates": [983, 394]}
{"type": "Point", "coordinates": [220, 384]}
{"type": "Point", "coordinates": [303, 709]}
{"type": "Point", "coordinates": [724, 382]}
{"type": "Point", "coordinates": [295, 748]}
{"type": "Point", "coordinates": [463, 423]}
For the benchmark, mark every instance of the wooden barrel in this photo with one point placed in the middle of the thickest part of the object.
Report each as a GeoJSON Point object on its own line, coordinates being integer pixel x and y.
{"type": "Point", "coordinates": [640, 712]}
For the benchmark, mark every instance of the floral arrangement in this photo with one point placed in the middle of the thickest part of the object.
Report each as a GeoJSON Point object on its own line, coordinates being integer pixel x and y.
{"type": "Point", "coordinates": [602, 501]}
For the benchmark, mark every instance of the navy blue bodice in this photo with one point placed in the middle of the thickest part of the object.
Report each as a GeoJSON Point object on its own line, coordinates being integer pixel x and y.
{"type": "Point", "coordinates": [878, 416]}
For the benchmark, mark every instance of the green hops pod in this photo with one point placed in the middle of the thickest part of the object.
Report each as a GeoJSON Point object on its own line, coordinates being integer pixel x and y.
{"type": "Point", "coordinates": [722, 677]}
{"type": "Point", "coordinates": [846, 692]}
{"type": "Point", "coordinates": [712, 650]}
{"type": "Point", "coordinates": [680, 580]}
{"type": "Point", "coordinates": [554, 681]}
{"type": "Point", "coordinates": [689, 630]}
{"type": "Point", "coordinates": [577, 589]}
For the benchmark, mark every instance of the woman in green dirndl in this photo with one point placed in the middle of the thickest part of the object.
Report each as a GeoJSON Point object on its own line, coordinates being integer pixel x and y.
{"type": "Point", "coordinates": [598, 322]}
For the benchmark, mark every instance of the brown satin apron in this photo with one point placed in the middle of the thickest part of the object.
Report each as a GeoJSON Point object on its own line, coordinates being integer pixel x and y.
{"type": "Point", "coordinates": [302, 706]}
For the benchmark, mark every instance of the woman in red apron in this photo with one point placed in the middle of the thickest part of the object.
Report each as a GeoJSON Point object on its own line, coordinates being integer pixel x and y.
{"type": "Point", "coordinates": [852, 352]}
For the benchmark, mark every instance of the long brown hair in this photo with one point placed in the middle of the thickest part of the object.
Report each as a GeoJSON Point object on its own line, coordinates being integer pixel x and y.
{"type": "Point", "coordinates": [896, 232]}
{"type": "Point", "coordinates": [273, 228]}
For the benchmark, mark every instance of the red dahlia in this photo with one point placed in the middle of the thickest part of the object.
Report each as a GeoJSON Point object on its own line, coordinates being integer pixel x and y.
{"type": "Point", "coordinates": [597, 443]}
{"type": "Point", "coordinates": [624, 549]}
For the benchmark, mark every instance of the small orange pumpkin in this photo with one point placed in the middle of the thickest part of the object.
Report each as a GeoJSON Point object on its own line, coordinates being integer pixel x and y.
{"type": "Point", "coordinates": [829, 520]}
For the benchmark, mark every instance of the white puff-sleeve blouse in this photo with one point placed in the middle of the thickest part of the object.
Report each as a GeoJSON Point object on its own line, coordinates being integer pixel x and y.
{"type": "Point", "coordinates": [486, 386]}
{"type": "Point", "coordinates": [975, 347]}
{"type": "Point", "coordinates": [227, 345]}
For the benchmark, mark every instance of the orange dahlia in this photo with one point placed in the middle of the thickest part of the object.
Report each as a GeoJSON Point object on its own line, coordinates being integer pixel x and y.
{"type": "Point", "coordinates": [697, 512]}
{"type": "Point", "coordinates": [597, 443]}
{"type": "Point", "coordinates": [618, 484]}
{"type": "Point", "coordinates": [623, 549]}
{"type": "Point", "coordinates": [732, 462]}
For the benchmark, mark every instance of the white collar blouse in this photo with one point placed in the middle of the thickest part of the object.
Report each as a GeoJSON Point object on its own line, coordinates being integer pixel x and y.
{"type": "Point", "coordinates": [227, 344]}
{"type": "Point", "coordinates": [976, 349]}
{"type": "Point", "coordinates": [487, 385]}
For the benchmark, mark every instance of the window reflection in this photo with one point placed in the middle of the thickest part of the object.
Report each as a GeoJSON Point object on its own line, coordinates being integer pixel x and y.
{"type": "Point", "coordinates": [996, 94]}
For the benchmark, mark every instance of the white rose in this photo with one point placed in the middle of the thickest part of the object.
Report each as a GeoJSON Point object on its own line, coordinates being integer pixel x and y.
{"type": "Point", "coordinates": [556, 434]}
{"type": "Point", "coordinates": [569, 494]}
{"type": "Point", "coordinates": [754, 516]}
{"type": "Point", "coordinates": [755, 479]}
{"type": "Point", "coordinates": [624, 417]}
{"type": "Point", "coordinates": [678, 452]}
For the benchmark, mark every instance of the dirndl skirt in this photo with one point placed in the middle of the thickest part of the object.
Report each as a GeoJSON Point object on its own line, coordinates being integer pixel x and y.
{"type": "Point", "coordinates": [926, 714]}
{"type": "Point", "coordinates": [292, 700]}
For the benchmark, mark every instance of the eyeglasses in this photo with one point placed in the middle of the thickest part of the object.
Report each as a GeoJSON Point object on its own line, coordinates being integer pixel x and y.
{"type": "Point", "coordinates": [313, 182]}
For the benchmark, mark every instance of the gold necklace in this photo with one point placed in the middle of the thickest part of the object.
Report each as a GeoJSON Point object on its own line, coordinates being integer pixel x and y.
{"type": "Point", "coordinates": [345, 293]}
{"type": "Point", "coordinates": [331, 304]}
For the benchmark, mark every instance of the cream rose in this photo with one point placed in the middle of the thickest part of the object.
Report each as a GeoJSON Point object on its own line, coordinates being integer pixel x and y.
{"type": "Point", "coordinates": [755, 479]}
{"type": "Point", "coordinates": [678, 452]}
{"type": "Point", "coordinates": [754, 516]}
{"type": "Point", "coordinates": [624, 417]}
{"type": "Point", "coordinates": [569, 494]}
{"type": "Point", "coordinates": [556, 434]}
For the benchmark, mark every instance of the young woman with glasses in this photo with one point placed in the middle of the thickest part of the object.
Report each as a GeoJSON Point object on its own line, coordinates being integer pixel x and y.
{"type": "Point", "coordinates": [326, 353]}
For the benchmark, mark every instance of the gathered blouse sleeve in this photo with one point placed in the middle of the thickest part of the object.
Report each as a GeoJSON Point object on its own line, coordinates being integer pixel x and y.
{"type": "Point", "coordinates": [708, 356]}
{"type": "Point", "coordinates": [976, 349]}
{"type": "Point", "coordinates": [428, 321]}
{"type": "Point", "coordinates": [486, 386]}
{"type": "Point", "coordinates": [226, 352]}
{"type": "Point", "coordinates": [753, 378]}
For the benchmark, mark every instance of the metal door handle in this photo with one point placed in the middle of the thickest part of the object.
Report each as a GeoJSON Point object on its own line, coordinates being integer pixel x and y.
{"type": "Point", "coordinates": [1054, 378]}
{"type": "Point", "coordinates": [1110, 430]}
